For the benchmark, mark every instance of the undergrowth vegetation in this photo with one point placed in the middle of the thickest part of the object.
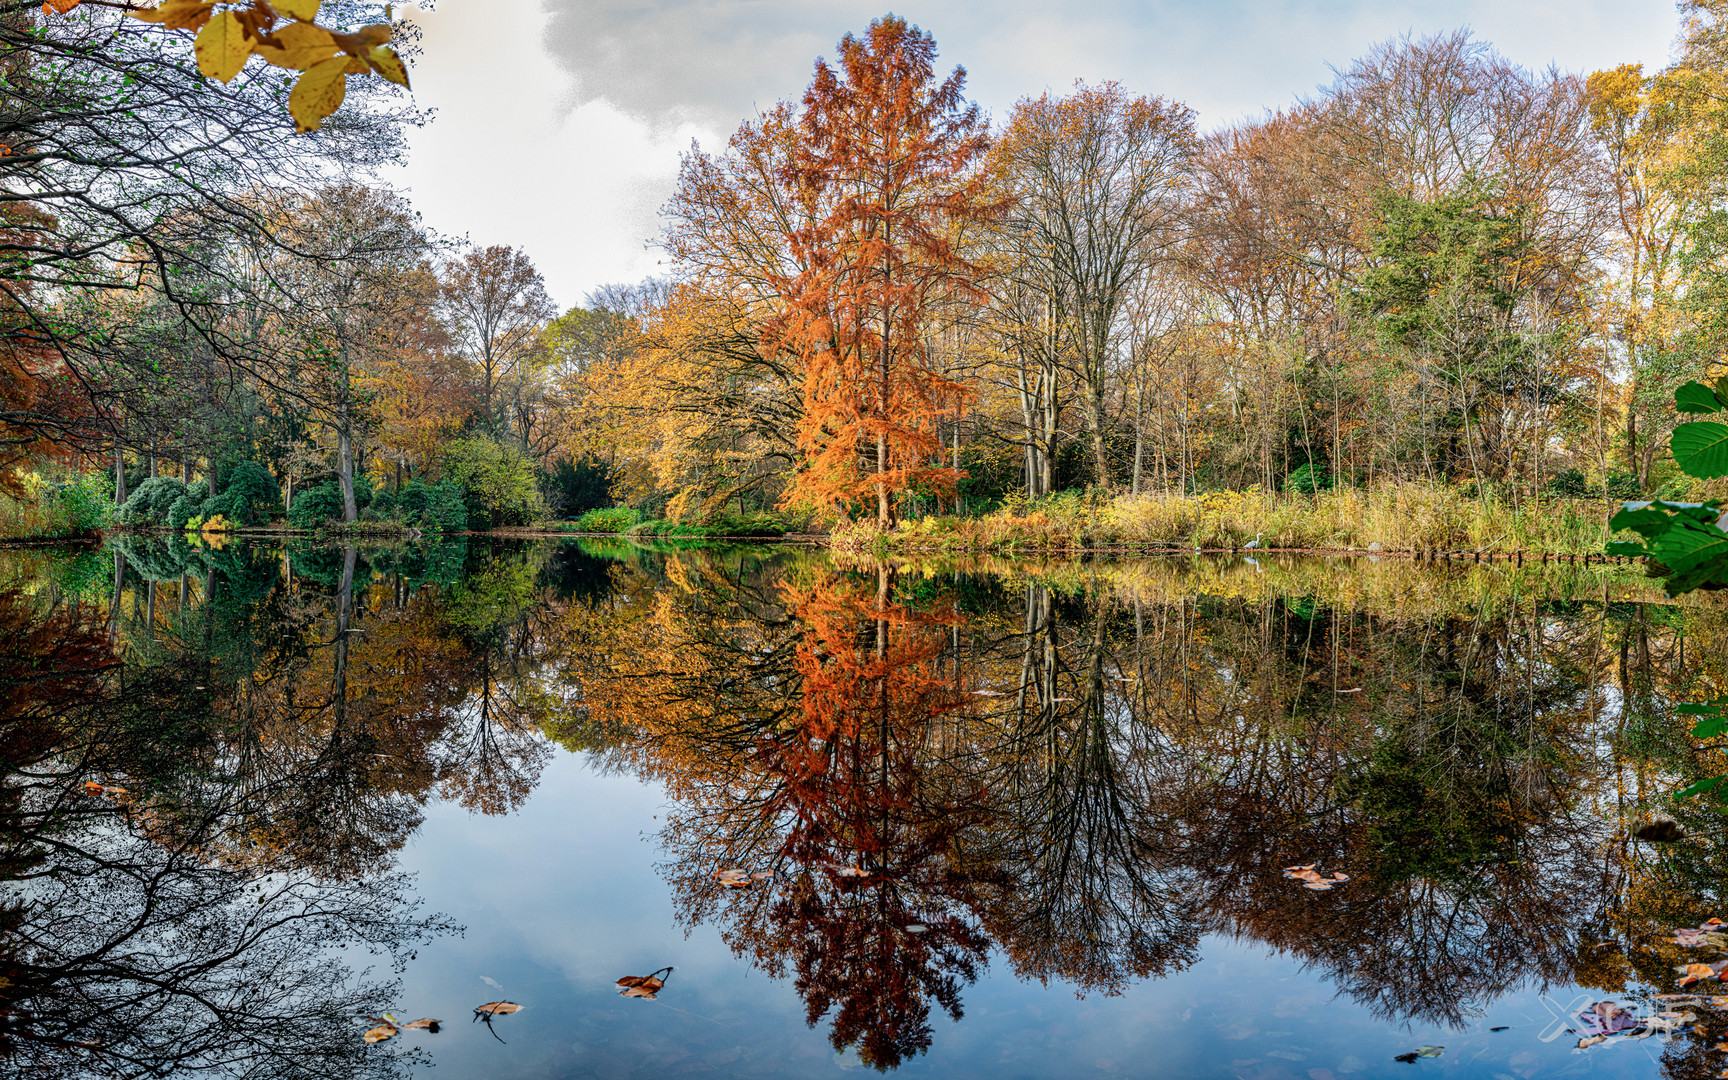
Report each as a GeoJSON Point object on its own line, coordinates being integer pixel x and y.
{"type": "Point", "coordinates": [45, 510]}
{"type": "Point", "coordinates": [1395, 516]}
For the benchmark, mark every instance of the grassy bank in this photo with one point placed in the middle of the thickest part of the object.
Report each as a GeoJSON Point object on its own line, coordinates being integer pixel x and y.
{"type": "Point", "coordinates": [1397, 517]}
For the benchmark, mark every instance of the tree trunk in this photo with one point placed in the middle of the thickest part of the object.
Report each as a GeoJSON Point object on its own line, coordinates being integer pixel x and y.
{"type": "Point", "coordinates": [1095, 422]}
{"type": "Point", "coordinates": [119, 476]}
{"type": "Point", "coordinates": [345, 467]}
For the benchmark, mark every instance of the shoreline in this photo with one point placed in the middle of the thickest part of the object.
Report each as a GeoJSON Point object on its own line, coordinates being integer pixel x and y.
{"type": "Point", "coordinates": [827, 541]}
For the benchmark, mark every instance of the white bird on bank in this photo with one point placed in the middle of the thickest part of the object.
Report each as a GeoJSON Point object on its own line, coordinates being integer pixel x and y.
{"type": "Point", "coordinates": [1252, 544]}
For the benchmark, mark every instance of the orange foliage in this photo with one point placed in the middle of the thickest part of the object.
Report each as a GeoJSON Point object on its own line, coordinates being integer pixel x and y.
{"type": "Point", "coordinates": [886, 158]}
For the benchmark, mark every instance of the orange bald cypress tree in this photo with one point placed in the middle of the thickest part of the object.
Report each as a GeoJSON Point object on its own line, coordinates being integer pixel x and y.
{"type": "Point", "coordinates": [885, 155]}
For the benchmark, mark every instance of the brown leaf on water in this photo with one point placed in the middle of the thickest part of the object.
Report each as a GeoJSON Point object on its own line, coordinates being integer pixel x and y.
{"type": "Point", "coordinates": [379, 1033]}
{"type": "Point", "coordinates": [497, 1008]}
{"type": "Point", "coordinates": [642, 986]}
{"type": "Point", "coordinates": [424, 1022]}
{"type": "Point", "coordinates": [1313, 879]}
{"type": "Point", "coordinates": [1692, 973]}
{"type": "Point", "coordinates": [734, 878]}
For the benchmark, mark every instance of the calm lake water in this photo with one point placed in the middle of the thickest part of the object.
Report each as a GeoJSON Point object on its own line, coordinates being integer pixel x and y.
{"type": "Point", "coordinates": [985, 820]}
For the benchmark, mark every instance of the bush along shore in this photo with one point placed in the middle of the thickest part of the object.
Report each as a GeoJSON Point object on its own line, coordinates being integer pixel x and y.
{"type": "Point", "coordinates": [1409, 519]}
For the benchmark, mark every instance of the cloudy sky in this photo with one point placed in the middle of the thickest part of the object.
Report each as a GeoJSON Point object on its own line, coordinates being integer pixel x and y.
{"type": "Point", "coordinates": [559, 122]}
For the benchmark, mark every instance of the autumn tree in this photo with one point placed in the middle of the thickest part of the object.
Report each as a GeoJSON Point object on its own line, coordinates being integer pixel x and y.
{"type": "Point", "coordinates": [345, 276]}
{"type": "Point", "coordinates": [1098, 180]}
{"type": "Point", "coordinates": [885, 155]}
{"type": "Point", "coordinates": [494, 305]}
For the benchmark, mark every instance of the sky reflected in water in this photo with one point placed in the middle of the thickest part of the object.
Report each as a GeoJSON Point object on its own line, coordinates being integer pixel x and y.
{"type": "Point", "coordinates": [1009, 820]}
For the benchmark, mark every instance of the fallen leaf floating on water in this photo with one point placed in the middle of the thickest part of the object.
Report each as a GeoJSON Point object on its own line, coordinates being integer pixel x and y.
{"type": "Point", "coordinates": [1502, 1027]}
{"type": "Point", "coordinates": [1312, 878]}
{"type": "Point", "coordinates": [1661, 832]}
{"type": "Point", "coordinates": [642, 986]}
{"type": "Point", "coordinates": [1689, 937]}
{"type": "Point", "coordinates": [1420, 1052]}
{"type": "Point", "coordinates": [423, 1022]}
{"type": "Point", "coordinates": [1692, 973]}
{"type": "Point", "coordinates": [91, 787]}
{"type": "Point", "coordinates": [740, 879]}
{"type": "Point", "coordinates": [1591, 1040]}
{"type": "Point", "coordinates": [486, 1012]}
{"type": "Point", "coordinates": [386, 1028]}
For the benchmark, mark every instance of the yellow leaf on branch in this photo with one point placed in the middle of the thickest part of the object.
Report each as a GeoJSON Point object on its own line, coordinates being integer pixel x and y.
{"type": "Point", "coordinates": [222, 47]}
{"type": "Point", "coordinates": [300, 46]}
{"type": "Point", "coordinates": [318, 93]}
{"type": "Point", "coordinates": [59, 7]}
{"type": "Point", "coordinates": [303, 10]}
{"type": "Point", "coordinates": [177, 14]}
{"type": "Point", "coordinates": [386, 63]}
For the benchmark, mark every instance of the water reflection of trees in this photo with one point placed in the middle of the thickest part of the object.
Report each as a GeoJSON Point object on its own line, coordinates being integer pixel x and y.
{"type": "Point", "coordinates": [1093, 772]}
{"type": "Point", "coordinates": [124, 949]}
{"type": "Point", "coordinates": [208, 773]}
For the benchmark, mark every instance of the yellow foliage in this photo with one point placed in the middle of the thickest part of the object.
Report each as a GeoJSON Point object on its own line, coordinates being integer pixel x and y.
{"type": "Point", "coordinates": [227, 38]}
{"type": "Point", "coordinates": [222, 47]}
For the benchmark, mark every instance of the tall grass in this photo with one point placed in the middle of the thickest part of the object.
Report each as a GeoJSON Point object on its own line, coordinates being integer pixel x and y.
{"type": "Point", "coordinates": [1396, 517]}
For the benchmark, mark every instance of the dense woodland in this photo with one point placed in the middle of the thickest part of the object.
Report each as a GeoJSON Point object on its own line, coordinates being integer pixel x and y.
{"type": "Point", "coordinates": [1441, 272]}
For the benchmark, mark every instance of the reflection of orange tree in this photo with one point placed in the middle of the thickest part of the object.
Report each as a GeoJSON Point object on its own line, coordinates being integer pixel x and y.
{"type": "Point", "coordinates": [874, 924]}
{"type": "Point", "coordinates": [1096, 778]}
{"type": "Point", "coordinates": [808, 726]}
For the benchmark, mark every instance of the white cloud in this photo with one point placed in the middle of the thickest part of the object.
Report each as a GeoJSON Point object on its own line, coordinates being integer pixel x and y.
{"type": "Point", "coordinates": [515, 157]}
{"type": "Point", "coordinates": [559, 127]}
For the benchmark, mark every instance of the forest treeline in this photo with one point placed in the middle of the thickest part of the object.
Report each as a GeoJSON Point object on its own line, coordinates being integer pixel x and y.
{"type": "Point", "coordinates": [1441, 273]}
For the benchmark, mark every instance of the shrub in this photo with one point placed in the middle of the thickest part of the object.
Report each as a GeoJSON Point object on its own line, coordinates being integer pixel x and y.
{"type": "Point", "coordinates": [434, 507]}
{"type": "Point", "coordinates": [1307, 480]}
{"type": "Point", "coordinates": [85, 503]}
{"type": "Point", "coordinates": [321, 503]}
{"type": "Point", "coordinates": [183, 510]}
{"type": "Point", "coordinates": [216, 524]}
{"type": "Point", "coordinates": [150, 501]}
{"type": "Point", "coordinates": [227, 505]}
{"type": "Point", "coordinates": [316, 505]}
{"type": "Point", "coordinates": [721, 527]}
{"type": "Point", "coordinates": [613, 520]}
{"type": "Point", "coordinates": [1569, 482]}
{"type": "Point", "coordinates": [496, 481]}
{"type": "Point", "coordinates": [445, 510]}
{"type": "Point", "coordinates": [410, 502]}
{"type": "Point", "coordinates": [253, 494]}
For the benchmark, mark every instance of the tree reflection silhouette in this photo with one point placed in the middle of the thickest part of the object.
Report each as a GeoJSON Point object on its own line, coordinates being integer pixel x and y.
{"type": "Point", "coordinates": [125, 950]}
{"type": "Point", "coordinates": [1093, 778]}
